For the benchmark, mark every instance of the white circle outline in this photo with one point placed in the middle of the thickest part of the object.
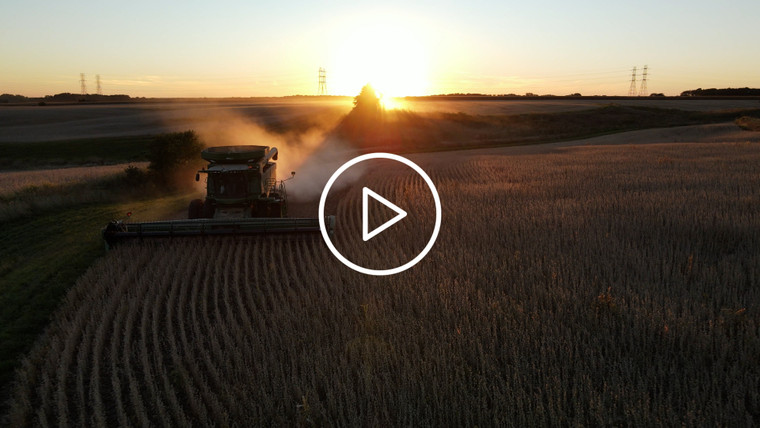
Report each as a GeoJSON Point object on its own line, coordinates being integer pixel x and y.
{"type": "Point", "coordinates": [362, 269]}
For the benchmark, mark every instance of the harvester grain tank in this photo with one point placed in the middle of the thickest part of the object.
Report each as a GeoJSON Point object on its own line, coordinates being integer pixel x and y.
{"type": "Point", "coordinates": [243, 197]}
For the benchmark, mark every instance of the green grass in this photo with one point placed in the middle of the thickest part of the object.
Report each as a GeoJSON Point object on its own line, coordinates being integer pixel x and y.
{"type": "Point", "coordinates": [42, 256]}
{"type": "Point", "coordinates": [75, 152]}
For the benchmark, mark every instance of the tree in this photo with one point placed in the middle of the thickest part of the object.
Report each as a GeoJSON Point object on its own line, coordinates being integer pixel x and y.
{"type": "Point", "coordinates": [367, 102]}
{"type": "Point", "coordinates": [174, 153]}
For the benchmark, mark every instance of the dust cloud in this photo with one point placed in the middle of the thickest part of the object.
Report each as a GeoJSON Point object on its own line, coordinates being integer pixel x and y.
{"type": "Point", "coordinates": [314, 153]}
{"type": "Point", "coordinates": [320, 165]}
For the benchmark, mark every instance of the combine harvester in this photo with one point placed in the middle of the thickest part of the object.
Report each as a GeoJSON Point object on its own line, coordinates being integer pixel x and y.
{"type": "Point", "coordinates": [243, 197]}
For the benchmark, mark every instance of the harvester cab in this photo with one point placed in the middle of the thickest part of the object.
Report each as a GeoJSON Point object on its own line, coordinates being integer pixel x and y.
{"type": "Point", "coordinates": [243, 197]}
{"type": "Point", "coordinates": [241, 183]}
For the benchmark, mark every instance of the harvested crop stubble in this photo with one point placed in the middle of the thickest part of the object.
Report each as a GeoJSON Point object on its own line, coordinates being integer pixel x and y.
{"type": "Point", "coordinates": [590, 286]}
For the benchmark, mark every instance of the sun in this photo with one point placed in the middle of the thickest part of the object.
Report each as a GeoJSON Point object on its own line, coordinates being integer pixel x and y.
{"type": "Point", "coordinates": [391, 103]}
{"type": "Point", "coordinates": [387, 102]}
{"type": "Point", "coordinates": [390, 55]}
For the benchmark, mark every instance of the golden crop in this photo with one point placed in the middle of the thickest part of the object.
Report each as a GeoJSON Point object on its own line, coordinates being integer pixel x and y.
{"type": "Point", "coordinates": [589, 286]}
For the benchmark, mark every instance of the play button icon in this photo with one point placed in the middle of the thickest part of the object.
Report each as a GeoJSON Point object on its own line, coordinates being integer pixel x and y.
{"type": "Point", "coordinates": [400, 214]}
{"type": "Point", "coordinates": [407, 242]}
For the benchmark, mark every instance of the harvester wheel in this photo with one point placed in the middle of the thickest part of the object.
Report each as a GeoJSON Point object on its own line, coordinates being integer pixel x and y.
{"type": "Point", "coordinates": [195, 209]}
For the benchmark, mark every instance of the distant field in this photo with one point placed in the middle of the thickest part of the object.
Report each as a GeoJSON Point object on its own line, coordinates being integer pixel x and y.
{"type": "Point", "coordinates": [48, 123]}
{"type": "Point", "coordinates": [592, 286]}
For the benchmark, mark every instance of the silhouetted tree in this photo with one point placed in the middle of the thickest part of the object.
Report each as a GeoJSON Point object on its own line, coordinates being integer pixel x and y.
{"type": "Point", "coordinates": [367, 102]}
{"type": "Point", "coordinates": [172, 154]}
{"type": "Point", "coordinates": [364, 125]}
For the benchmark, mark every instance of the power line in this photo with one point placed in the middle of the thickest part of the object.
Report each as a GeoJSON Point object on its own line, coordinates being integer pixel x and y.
{"type": "Point", "coordinates": [82, 84]}
{"type": "Point", "coordinates": [99, 89]}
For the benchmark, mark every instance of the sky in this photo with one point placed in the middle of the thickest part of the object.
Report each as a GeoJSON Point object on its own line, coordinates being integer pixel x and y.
{"type": "Point", "coordinates": [246, 48]}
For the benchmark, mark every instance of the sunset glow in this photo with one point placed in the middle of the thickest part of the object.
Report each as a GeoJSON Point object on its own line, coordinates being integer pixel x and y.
{"type": "Point", "coordinates": [392, 103]}
{"type": "Point", "coordinates": [390, 55]}
{"type": "Point", "coordinates": [244, 49]}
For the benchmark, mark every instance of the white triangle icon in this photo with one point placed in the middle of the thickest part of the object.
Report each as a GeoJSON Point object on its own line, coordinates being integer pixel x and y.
{"type": "Point", "coordinates": [400, 214]}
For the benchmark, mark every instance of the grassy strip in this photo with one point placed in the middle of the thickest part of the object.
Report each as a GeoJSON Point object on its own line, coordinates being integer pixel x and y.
{"type": "Point", "coordinates": [748, 123]}
{"type": "Point", "coordinates": [616, 118]}
{"type": "Point", "coordinates": [554, 127]}
{"type": "Point", "coordinates": [41, 257]}
{"type": "Point", "coordinates": [406, 131]}
{"type": "Point", "coordinates": [75, 152]}
{"type": "Point", "coordinates": [609, 117]}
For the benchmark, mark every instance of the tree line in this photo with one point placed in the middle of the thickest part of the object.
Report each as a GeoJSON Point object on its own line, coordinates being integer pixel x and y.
{"type": "Point", "coordinates": [63, 97]}
{"type": "Point", "coordinates": [724, 92]}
